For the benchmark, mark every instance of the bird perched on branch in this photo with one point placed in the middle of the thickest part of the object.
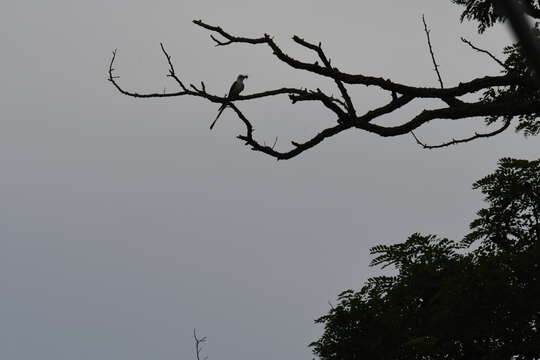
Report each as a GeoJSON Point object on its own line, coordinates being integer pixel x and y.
{"type": "Point", "coordinates": [236, 89]}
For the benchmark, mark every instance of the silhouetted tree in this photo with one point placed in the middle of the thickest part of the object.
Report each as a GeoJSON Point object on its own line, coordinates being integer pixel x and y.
{"type": "Point", "coordinates": [510, 98]}
{"type": "Point", "coordinates": [474, 299]}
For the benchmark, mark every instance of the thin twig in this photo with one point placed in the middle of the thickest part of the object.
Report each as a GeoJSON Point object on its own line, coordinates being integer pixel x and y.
{"type": "Point", "coordinates": [198, 345]}
{"type": "Point", "coordinates": [172, 73]}
{"type": "Point", "coordinates": [485, 52]}
{"type": "Point", "coordinates": [464, 140]}
{"type": "Point", "coordinates": [275, 142]}
{"type": "Point", "coordinates": [327, 63]}
{"type": "Point", "coordinates": [436, 66]}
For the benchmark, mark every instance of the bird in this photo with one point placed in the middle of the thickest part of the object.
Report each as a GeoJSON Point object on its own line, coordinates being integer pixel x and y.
{"type": "Point", "coordinates": [235, 90]}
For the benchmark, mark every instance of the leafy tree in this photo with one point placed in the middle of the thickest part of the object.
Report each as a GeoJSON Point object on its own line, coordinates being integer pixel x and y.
{"type": "Point", "coordinates": [507, 99]}
{"type": "Point", "coordinates": [474, 299]}
{"type": "Point", "coordinates": [487, 12]}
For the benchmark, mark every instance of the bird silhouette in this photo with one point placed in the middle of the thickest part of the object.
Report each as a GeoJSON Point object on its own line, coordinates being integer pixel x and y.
{"type": "Point", "coordinates": [235, 90]}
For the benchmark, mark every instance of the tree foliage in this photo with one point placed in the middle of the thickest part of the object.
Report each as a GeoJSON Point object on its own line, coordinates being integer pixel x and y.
{"type": "Point", "coordinates": [487, 12]}
{"type": "Point", "coordinates": [510, 98]}
{"type": "Point", "coordinates": [474, 299]}
{"type": "Point", "coordinates": [515, 63]}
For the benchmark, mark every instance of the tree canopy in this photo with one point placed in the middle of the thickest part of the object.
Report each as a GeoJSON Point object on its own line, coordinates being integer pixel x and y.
{"type": "Point", "coordinates": [510, 98]}
{"type": "Point", "coordinates": [478, 298]}
{"type": "Point", "coordinates": [487, 12]}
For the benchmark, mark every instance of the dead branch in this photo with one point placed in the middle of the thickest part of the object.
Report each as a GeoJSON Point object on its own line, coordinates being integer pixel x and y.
{"type": "Point", "coordinates": [435, 65]}
{"type": "Point", "coordinates": [342, 107]}
{"type": "Point", "coordinates": [198, 345]}
{"type": "Point", "coordinates": [318, 49]}
{"type": "Point", "coordinates": [493, 57]}
{"type": "Point", "coordinates": [358, 79]}
{"type": "Point", "coordinates": [464, 140]}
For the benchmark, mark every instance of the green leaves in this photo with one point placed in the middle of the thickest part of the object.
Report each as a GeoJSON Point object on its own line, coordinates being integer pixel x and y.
{"type": "Point", "coordinates": [418, 249]}
{"type": "Point", "coordinates": [483, 11]}
{"type": "Point", "coordinates": [515, 64]}
{"type": "Point", "coordinates": [478, 298]}
{"type": "Point", "coordinates": [445, 302]}
{"type": "Point", "coordinates": [510, 223]}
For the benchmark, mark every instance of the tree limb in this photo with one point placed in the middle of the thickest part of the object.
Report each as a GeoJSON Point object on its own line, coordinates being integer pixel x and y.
{"type": "Point", "coordinates": [486, 52]}
{"type": "Point", "coordinates": [385, 84]}
{"type": "Point", "coordinates": [198, 345]}
{"type": "Point", "coordinates": [464, 140]}
{"type": "Point", "coordinates": [342, 107]}
{"type": "Point", "coordinates": [435, 65]}
{"type": "Point", "coordinates": [467, 110]}
{"type": "Point", "coordinates": [318, 49]}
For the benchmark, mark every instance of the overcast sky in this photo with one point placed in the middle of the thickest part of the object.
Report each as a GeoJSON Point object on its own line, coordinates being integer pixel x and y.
{"type": "Point", "coordinates": [125, 223]}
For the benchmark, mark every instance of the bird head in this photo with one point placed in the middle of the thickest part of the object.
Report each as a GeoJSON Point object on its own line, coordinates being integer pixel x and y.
{"type": "Point", "coordinates": [242, 77]}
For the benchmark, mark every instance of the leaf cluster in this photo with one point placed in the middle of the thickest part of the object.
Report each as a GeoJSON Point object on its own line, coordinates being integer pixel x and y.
{"type": "Point", "coordinates": [487, 12]}
{"type": "Point", "coordinates": [516, 64]}
{"type": "Point", "coordinates": [483, 11]}
{"type": "Point", "coordinates": [474, 299]}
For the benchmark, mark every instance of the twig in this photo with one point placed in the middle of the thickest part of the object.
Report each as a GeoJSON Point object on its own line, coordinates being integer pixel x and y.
{"type": "Point", "coordinates": [464, 140]}
{"type": "Point", "coordinates": [113, 79]}
{"type": "Point", "coordinates": [436, 66]}
{"type": "Point", "coordinates": [198, 345]}
{"type": "Point", "coordinates": [485, 52]}
{"type": "Point", "coordinates": [172, 73]}
{"type": "Point", "coordinates": [327, 63]}
{"type": "Point", "coordinates": [275, 142]}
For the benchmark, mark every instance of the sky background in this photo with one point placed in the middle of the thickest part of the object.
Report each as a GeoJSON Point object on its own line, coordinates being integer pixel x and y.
{"type": "Point", "coordinates": [125, 223]}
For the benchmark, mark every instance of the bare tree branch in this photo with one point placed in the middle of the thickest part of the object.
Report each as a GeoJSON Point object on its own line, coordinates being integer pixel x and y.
{"type": "Point", "coordinates": [386, 109]}
{"type": "Point", "coordinates": [485, 52]}
{"type": "Point", "coordinates": [113, 78]}
{"type": "Point", "coordinates": [172, 73]}
{"type": "Point", "coordinates": [435, 65]}
{"type": "Point", "coordinates": [299, 147]}
{"type": "Point", "coordinates": [342, 107]}
{"type": "Point", "coordinates": [467, 110]}
{"type": "Point", "coordinates": [198, 345]}
{"type": "Point", "coordinates": [294, 94]}
{"type": "Point", "coordinates": [385, 84]}
{"type": "Point", "coordinates": [515, 11]}
{"type": "Point", "coordinates": [318, 49]}
{"type": "Point", "coordinates": [464, 140]}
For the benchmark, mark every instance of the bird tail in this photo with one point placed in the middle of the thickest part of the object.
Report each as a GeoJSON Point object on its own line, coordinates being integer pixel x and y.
{"type": "Point", "coordinates": [221, 108]}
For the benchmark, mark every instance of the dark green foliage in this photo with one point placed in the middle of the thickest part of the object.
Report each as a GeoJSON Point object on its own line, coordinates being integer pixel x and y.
{"type": "Point", "coordinates": [515, 63]}
{"type": "Point", "coordinates": [487, 13]}
{"type": "Point", "coordinates": [510, 223]}
{"type": "Point", "coordinates": [482, 11]}
{"type": "Point", "coordinates": [478, 298]}
{"type": "Point", "coordinates": [474, 299]}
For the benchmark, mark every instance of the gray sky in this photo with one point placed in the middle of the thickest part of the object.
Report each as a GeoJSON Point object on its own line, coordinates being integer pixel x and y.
{"type": "Point", "coordinates": [126, 223]}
